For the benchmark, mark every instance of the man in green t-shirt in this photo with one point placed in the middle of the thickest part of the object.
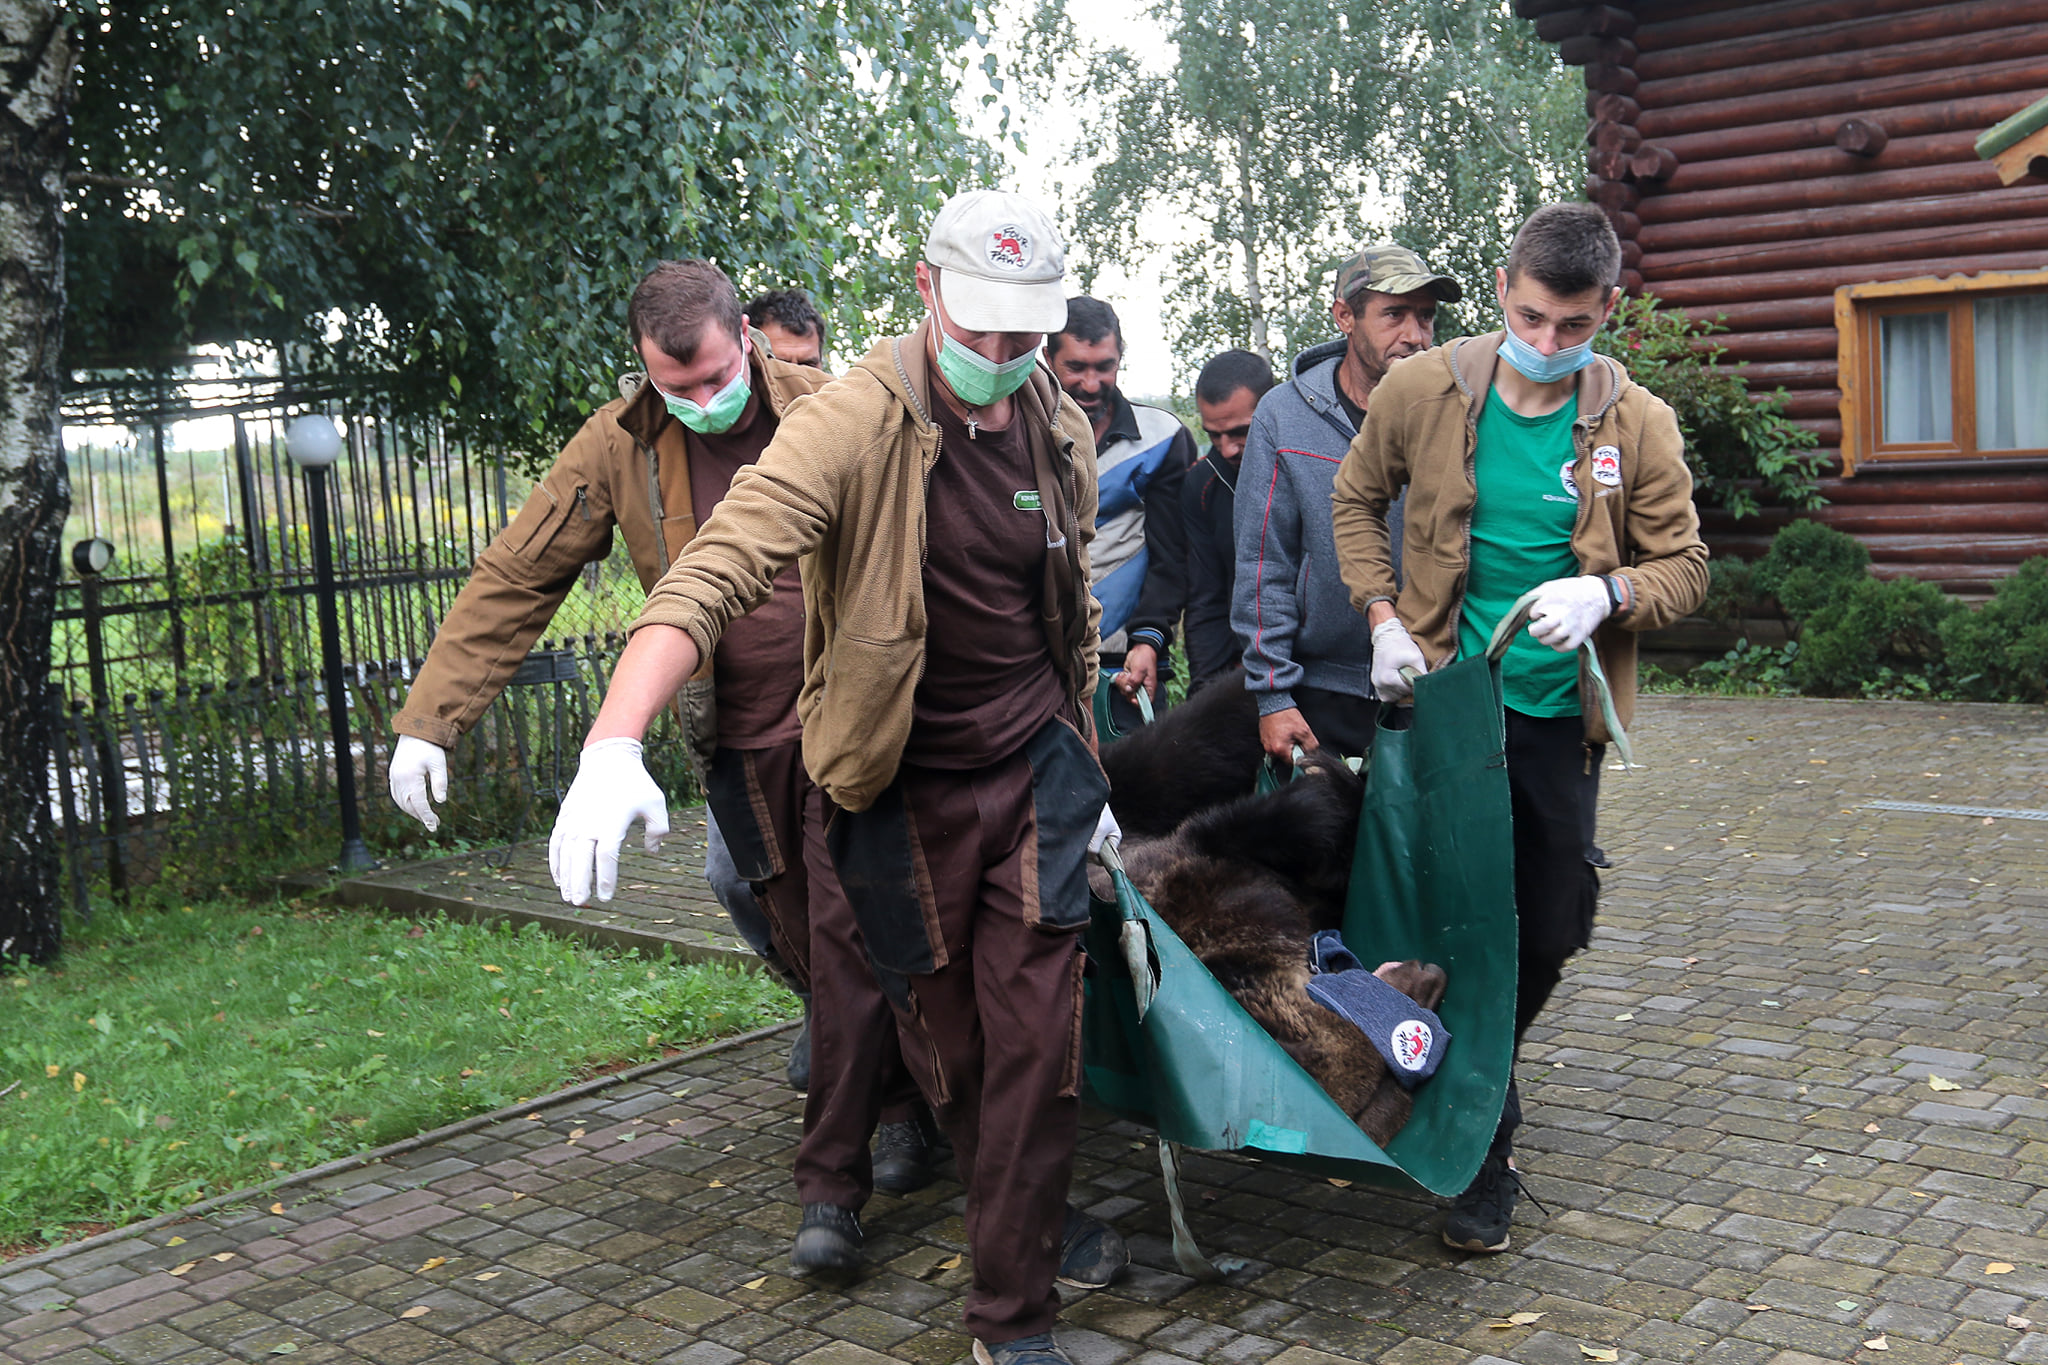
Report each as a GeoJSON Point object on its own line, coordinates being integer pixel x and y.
{"type": "Point", "coordinates": [1528, 462]}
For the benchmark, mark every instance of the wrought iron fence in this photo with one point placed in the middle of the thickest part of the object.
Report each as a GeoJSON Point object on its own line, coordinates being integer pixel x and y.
{"type": "Point", "coordinates": [191, 720]}
{"type": "Point", "coordinates": [176, 781]}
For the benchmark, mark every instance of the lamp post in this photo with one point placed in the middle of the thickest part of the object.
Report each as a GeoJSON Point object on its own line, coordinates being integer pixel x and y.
{"type": "Point", "coordinates": [92, 558]}
{"type": "Point", "coordinates": [314, 446]}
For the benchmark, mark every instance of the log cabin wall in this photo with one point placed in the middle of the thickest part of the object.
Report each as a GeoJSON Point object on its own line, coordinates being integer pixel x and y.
{"type": "Point", "coordinates": [1754, 157]}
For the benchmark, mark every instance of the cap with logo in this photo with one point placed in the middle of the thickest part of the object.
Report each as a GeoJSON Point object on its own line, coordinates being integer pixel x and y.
{"type": "Point", "coordinates": [1389, 269]}
{"type": "Point", "coordinates": [1002, 266]}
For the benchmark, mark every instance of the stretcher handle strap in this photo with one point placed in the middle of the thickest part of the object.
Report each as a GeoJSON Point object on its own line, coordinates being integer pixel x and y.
{"type": "Point", "coordinates": [1186, 1252]}
{"type": "Point", "coordinates": [1144, 700]}
{"type": "Point", "coordinates": [1133, 938]}
{"type": "Point", "coordinates": [1504, 635]}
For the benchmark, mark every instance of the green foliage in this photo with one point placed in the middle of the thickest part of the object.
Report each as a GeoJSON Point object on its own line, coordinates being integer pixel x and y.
{"type": "Point", "coordinates": [1810, 568]}
{"type": "Point", "coordinates": [1288, 131]}
{"type": "Point", "coordinates": [460, 195]}
{"type": "Point", "coordinates": [2000, 652]}
{"type": "Point", "coordinates": [1738, 445]}
{"type": "Point", "coordinates": [183, 1051]}
{"type": "Point", "coordinates": [1855, 635]}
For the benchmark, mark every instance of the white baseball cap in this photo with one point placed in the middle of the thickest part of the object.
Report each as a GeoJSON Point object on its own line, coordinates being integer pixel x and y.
{"type": "Point", "coordinates": [1002, 266]}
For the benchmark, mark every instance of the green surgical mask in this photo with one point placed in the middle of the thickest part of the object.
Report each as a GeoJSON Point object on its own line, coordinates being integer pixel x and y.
{"type": "Point", "coordinates": [716, 416]}
{"type": "Point", "coordinates": [977, 380]}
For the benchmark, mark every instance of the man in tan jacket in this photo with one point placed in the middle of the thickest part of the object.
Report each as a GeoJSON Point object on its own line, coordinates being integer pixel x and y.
{"type": "Point", "coordinates": [941, 497]}
{"type": "Point", "coordinates": [653, 464]}
{"type": "Point", "coordinates": [1528, 462]}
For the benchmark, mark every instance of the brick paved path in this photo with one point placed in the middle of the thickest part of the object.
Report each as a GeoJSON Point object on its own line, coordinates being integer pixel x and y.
{"type": "Point", "coordinates": [1732, 1123]}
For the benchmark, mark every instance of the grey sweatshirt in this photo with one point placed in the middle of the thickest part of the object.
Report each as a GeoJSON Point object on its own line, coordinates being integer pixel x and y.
{"type": "Point", "coordinates": [1290, 602]}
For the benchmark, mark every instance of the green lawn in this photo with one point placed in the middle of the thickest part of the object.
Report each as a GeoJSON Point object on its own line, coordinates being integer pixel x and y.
{"type": "Point", "coordinates": [182, 1051]}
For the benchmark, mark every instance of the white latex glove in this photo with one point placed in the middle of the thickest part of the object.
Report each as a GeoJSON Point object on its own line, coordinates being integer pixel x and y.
{"type": "Point", "coordinates": [1106, 828]}
{"type": "Point", "coordinates": [1394, 649]}
{"type": "Point", "coordinates": [417, 767]}
{"type": "Point", "coordinates": [1568, 611]}
{"type": "Point", "coordinates": [611, 791]}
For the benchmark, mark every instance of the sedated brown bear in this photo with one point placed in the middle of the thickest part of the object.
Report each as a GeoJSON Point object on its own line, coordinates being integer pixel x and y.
{"type": "Point", "coordinates": [1247, 882]}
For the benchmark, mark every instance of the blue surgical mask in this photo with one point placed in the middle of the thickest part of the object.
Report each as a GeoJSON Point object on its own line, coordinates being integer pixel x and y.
{"type": "Point", "coordinates": [1540, 368]}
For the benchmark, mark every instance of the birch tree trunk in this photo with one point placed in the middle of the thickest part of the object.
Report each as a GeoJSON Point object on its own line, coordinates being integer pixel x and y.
{"type": "Point", "coordinates": [35, 63]}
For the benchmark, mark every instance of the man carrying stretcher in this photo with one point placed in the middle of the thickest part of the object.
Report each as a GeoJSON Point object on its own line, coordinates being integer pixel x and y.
{"type": "Point", "coordinates": [1527, 461]}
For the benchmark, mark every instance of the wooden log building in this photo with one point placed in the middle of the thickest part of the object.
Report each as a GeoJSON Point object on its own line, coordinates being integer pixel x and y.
{"type": "Point", "coordinates": [1808, 172]}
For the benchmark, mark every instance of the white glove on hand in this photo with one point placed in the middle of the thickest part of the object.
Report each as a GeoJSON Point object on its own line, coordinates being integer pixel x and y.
{"type": "Point", "coordinates": [1106, 828]}
{"type": "Point", "coordinates": [1568, 611]}
{"type": "Point", "coordinates": [611, 791]}
{"type": "Point", "coordinates": [1394, 649]}
{"type": "Point", "coordinates": [418, 766]}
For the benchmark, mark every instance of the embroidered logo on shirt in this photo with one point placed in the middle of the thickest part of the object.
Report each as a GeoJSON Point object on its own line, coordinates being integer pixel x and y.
{"type": "Point", "coordinates": [1027, 500]}
{"type": "Point", "coordinates": [1607, 466]}
{"type": "Point", "coordinates": [1009, 246]}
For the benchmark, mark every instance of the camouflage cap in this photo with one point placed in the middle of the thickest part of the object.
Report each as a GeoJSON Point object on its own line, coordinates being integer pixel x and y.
{"type": "Point", "coordinates": [1389, 269]}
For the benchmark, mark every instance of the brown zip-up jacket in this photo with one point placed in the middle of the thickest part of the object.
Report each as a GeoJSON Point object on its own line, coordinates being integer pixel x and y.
{"type": "Point", "coordinates": [628, 467]}
{"type": "Point", "coordinates": [843, 489]}
{"type": "Point", "coordinates": [1635, 519]}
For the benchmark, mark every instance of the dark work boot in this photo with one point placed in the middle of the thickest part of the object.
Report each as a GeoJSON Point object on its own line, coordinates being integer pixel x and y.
{"type": "Point", "coordinates": [1038, 1350]}
{"type": "Point", "coordinates": [1479, 1218]}
{"type": "Point", "coordinates": [903, 1153]}
{"type": "Point", "coordinates": [829, 1239]}
{"type": "Point", "coordinates": [1092, 1253]}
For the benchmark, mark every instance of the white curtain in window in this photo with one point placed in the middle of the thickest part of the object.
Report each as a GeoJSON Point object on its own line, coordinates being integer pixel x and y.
{"type": "Point", "coordinates": [2012, 373]}
{"type": "Point", "coordinates": [1914, 379]}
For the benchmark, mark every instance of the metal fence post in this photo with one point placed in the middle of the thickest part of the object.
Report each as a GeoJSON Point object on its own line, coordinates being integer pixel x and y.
{"type": "Point", "coordinates": [91, 558]}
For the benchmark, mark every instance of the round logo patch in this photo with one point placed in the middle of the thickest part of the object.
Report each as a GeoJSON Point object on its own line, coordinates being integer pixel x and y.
{"type": "Point", "coordinates": [1607, 466]}
{"type": "Point", "coordinates": [1564, 476]}
{"type": "Point", "coordinates": [1412, 1038]}
{"type": "Point", "coordinates": [1009, 246]}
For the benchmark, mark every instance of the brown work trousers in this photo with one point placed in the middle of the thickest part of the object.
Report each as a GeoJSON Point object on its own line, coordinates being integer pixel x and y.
{"type": "Point", "coordinates": [990, 1022]}
{"type": "Point", "coordinates": [768, 809]}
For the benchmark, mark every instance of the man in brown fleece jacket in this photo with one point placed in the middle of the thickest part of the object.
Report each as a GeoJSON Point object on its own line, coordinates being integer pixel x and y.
{"type": "Point", "coordinates": [1528, 462]}
{"type": "Point", "coordinates": [941, 497]}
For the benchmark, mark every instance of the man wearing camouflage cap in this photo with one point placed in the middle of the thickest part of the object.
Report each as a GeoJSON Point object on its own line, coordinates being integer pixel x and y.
{"type": "Point", "coordinates": [1309, 660]}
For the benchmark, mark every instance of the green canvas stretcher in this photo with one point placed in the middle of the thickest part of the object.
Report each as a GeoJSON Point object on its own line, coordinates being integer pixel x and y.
{"type": "Point", "coordinates": [1166, 1046]}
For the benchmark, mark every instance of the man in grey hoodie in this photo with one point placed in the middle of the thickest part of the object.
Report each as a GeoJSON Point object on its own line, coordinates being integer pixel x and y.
{"type": "Point", "coordinates": [1309, 659]}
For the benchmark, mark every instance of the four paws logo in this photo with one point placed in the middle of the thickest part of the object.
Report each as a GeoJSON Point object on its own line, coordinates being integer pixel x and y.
{"type": "Point", "coordinates": [1009, 246]}
{"type": "Point", "coordinates": [1412, 1038]}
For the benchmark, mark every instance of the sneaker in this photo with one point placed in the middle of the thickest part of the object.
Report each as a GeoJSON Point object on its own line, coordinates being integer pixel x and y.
{"type": "Point", "coordinates": [799, 1069]}
{"type": "Point", "coordinates": [903, 1156]}
{"type": "Point", "coordinates": [1092, 1253]}
{"type": "Point", "coordinates": [1479, 1218]}
{"type": "Point", "coordinates": [1038, 1350]}
{"type": "Point", "coordinates": [829, 1239]}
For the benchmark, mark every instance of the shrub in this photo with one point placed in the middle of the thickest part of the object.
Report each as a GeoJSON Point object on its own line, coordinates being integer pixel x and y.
{"type": "Point", "coordinates": [1810, 568]}
{"type": "Point", "coordinates": [2000, 652]}
{"type": "Point", "coordinates": [1738, 444]}
{"type": "Point", "coordinates": [1873, 638]}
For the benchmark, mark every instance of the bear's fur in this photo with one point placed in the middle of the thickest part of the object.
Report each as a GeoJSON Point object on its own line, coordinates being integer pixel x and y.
{"type": "Point", "coordinates": [1247, 885]}
{"type": "Point", "coordinates": [1196, 755]}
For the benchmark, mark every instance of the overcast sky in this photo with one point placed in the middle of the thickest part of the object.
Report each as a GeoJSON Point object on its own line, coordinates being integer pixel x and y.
{"type": "Point", "coordinates": [1134, 288]}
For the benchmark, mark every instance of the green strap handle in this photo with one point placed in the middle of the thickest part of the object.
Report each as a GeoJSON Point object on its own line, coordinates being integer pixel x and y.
{"type": "Point", "coordinates": [1504, 635]}
{"type": "Point", "coordinates": [1133, 938]}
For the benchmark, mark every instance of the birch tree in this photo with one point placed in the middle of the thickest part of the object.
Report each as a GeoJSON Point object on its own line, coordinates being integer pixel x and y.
{"type": "Point", "coordinates": [35, 63]}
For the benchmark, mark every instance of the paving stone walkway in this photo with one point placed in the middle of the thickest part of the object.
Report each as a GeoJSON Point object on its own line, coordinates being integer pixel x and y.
{"type": "Point", "coordinates": [1792, 1107]}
